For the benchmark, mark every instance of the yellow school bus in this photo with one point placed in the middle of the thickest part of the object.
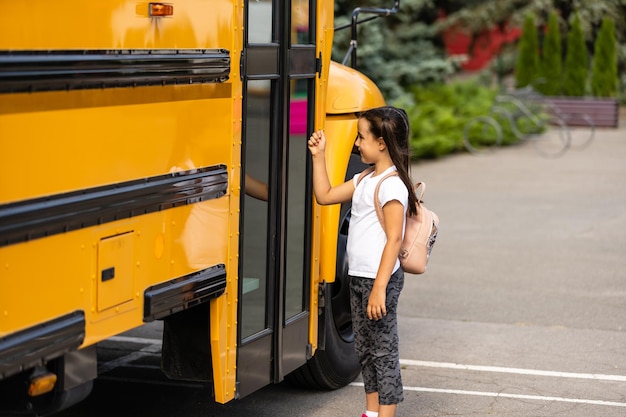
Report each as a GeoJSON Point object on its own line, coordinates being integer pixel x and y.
{"type": "Point", "coordinates": [153, 166]}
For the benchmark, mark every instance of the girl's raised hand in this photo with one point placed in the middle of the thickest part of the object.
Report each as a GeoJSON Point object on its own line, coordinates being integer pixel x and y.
{"type": "Point", "coordinates": [317, 143]}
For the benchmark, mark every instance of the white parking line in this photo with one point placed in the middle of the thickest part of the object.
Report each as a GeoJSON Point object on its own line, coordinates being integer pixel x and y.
{"type": "Point", "coordinates": [536, 372]}
{"type": "Point", "coordinates": [447, 365]}
{"type": "Point", "coordinates": [153, 346]}
{"type": "Point", "coordinates": [518, 371]}
{"type": "Point", "coordinates": [504, 395]}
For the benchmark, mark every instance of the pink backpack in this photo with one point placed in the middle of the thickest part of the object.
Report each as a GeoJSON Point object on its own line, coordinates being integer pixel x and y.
{"type": "Point", "coordinates": [420, 231]}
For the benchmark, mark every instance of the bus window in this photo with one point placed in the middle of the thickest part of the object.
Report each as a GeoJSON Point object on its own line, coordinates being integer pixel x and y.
{"type": "Point", "coordinates": [260, 21]}
{"type": "Point", "coordinates": [300, 21]}
{"type": "Point", "coordinates": [295, 294]}
{"type": "Point", "coordinates": [255, 242]}
{"type": "Point", "coordinates": [297, 207]}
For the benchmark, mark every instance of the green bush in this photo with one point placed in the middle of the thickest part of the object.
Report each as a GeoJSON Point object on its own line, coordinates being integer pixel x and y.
{"type": "Point", "coordinates": [441, 112]}
{"type": "Point", "coordinates": [527, 66]}
{"type": "Point", "coordinates": [550, 64]}
{"type": "Point", "coordinates": [576, 61]}
{"type": "Point", "coordinates": [604, 79]}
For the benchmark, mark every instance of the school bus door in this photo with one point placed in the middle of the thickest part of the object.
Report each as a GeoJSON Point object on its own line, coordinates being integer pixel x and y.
{"type": "Point", "coordinates": [279, 71]}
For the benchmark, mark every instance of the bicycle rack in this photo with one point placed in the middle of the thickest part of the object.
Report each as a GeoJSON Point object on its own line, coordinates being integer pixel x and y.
{"type": "Point", "coordinates": [528, 105]}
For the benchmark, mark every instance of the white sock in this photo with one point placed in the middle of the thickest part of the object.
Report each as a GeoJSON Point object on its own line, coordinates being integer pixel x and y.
{"type": "Point", "coordinates": [371, 413]}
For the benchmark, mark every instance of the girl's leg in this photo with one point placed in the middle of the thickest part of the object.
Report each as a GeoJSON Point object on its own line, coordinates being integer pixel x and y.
{"type": "Point", "coordinates": [387, 410]}
{"type": "Point", "coordinates": [371, 401]}
{"type": "Point", "coordinates": [360, 289]}
{"type": "Point", "coordinates": [376, 343]}
{"type": "Point", "coordinates": [385, 349]}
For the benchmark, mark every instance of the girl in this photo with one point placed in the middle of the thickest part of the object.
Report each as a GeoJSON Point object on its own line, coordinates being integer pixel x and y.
{"type": "Point", "coordinates": [376, 278]}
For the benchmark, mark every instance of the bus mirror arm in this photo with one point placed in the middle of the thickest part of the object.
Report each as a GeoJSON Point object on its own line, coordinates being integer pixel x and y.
{"type": "Point", "coordinates": [377, 12]}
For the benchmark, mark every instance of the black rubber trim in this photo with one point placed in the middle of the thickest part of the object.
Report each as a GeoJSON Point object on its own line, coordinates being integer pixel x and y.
{"type": "Point", "coordinates": [39, 344]}
{"type": "Point", "coordinates": [32, 219]}
{"type": "Point", "coordinates": [179, 294]}
{"type": "Point", "coordinates": [29, 71]}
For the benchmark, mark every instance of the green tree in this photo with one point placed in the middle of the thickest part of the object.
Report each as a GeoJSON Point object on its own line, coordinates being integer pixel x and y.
{"type": "Point", "coordinates": [405, 49]}
{"type": "Point", "coordinates": [396, 51]}
{"type": "Point", "coordinates": [476, 16]}
{"type": "Point", "coordinates": [551, 59]}
{"type": "Point", "coordinates": [576, 61]}
{"type": "Point", "coordinates": [527, 66]}
{"type": "Point", "coordinates": [604, 79]}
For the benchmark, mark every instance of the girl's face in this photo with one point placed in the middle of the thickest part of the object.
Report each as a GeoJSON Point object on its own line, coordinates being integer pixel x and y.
{"type": "Point", "coordinates": [368, 145]}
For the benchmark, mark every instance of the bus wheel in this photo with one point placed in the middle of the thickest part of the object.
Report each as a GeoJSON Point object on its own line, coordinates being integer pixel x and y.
{"type": "Point", "coordinates": [336, 365]}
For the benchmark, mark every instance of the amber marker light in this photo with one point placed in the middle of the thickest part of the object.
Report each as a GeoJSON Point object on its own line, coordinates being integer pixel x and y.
{"type": "Point", "coordinates": [42, 384]}
{"type": "Point", "coordinates": [160, 9]}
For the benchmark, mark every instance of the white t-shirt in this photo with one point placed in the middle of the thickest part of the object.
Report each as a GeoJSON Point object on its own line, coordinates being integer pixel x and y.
{"type": "Point", "coordinates": [366, 237]}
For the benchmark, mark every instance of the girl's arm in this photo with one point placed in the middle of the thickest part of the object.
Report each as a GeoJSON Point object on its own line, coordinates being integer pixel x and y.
{"type": "Point", "coordinates": [255, 188]}
{"type": "Point", "coordinates": [393, 213]}
{"type": "Point", "coordinates": [325, 193]}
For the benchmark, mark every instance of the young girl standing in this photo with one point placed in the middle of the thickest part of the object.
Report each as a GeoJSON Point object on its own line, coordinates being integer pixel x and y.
{"type": "Point", "coordinates": [376, 278]}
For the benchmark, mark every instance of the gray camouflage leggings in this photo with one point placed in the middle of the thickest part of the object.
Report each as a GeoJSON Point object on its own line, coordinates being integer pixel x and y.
{"type": "Point", "coordinates": [376, 342]}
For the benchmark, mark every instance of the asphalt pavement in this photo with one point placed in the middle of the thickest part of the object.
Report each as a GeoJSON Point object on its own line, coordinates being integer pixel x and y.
{"type": "Point", "coordinates": [513, 218]}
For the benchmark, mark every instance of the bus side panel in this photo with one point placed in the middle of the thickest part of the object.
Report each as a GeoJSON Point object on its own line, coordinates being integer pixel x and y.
{"type": "Point", "coordinates": [58, 151]}
{"type": "Point", "coordinates": [50, 277]}
{"type": "Point", "coordinates": [115, 24]}
{"type": "Point", "coordinates": [105, 137]}
{"type": "Point", "coordinates": [77, 144]}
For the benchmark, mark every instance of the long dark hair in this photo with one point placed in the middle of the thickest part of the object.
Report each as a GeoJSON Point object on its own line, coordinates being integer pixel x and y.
{"type": "Point", "coordinates": [392, 124]}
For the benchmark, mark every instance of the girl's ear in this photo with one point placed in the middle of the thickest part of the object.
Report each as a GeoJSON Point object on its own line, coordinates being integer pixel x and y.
{"type": "Point", "coordinates": [381, 144]}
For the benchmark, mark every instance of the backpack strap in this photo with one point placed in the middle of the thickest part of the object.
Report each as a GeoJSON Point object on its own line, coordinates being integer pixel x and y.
{"type": "Point", "coordinates": [421, 193]}
{"type": "Point", "coordinates": [379, 209]}
{"type": "Point", "coordinates": [364, 174]}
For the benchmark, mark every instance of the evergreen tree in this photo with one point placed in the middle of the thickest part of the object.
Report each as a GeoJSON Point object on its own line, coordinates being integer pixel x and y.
{"type": "Point", "coordinates": [576, 61]}
{"type": "Point", "coordinates": [396, 51]}
{"type": "Point", "coordinates": [527, 66]}
{"type": "Point", "coordinates": [604, 68]}
{"type": "Point", "coordinates": [551, 59]}
{"type": "Point", "coordinates": [405, 49]}
{"type": "Point", "coordinates": [476, 16]}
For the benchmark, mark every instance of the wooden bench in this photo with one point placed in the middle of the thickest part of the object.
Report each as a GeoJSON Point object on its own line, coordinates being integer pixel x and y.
{"type": "Point", "coordinates": [604, 112]}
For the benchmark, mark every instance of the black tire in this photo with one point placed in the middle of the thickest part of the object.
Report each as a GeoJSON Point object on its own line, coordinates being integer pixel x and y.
{"type": "Point", "coordinates": [336, 365]}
